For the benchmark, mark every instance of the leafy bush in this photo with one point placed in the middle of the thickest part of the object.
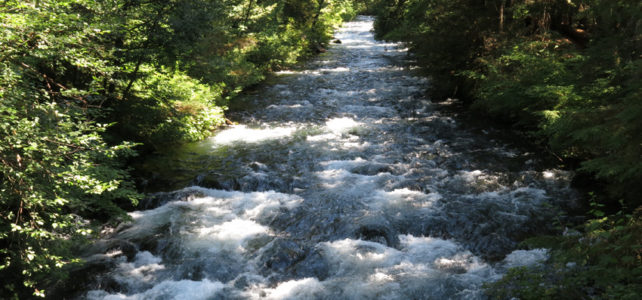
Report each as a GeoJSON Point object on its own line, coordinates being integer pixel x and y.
{"type": "Point", "coordinates": [170, 106]}
{"type": "Point", "coordinates": [604, 262]}
{"type": "Point", "coordinates": [56, 172]}
{"type": "Point", "coordinates": [445, 35]}
{"type": "Point", "coordinates": [527, 83]}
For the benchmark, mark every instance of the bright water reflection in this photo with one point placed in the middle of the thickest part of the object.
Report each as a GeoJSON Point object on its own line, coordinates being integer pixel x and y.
{"type": "Point", "coordinates": [344, 183]}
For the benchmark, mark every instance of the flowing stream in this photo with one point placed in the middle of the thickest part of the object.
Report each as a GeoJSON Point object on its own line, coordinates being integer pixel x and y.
{"type": "Point", "coordinates": [343, 182]}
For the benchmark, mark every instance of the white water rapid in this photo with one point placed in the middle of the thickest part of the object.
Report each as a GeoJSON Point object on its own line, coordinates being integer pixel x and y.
{"type": "Point", "coordinates": [344, 182]}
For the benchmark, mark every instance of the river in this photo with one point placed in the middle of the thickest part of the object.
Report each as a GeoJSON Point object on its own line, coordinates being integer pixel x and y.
{"type": "Point", "coordinates": [343, 181]}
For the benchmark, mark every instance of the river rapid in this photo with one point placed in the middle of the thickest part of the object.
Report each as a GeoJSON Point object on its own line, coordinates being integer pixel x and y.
{"type": "Point", "coordinates": [342, 182]}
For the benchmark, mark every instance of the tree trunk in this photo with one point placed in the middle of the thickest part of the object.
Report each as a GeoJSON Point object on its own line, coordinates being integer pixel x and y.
{"type": "Point", "coordinates": [501, 16]}
{"type": "Point", "coordinates": [318, 14]}
{"type": "Point", "coordinates": [248, 12]}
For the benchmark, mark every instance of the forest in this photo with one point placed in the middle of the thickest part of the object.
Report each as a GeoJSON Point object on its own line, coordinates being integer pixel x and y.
{"type": "Point", "coordinates": [86, 86]}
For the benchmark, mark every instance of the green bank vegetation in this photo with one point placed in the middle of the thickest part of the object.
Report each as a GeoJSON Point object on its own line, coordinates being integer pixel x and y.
{"type": "Point", "coordinates": [568, 72]}
{"type": "Point", "coordinates": [86, 85]}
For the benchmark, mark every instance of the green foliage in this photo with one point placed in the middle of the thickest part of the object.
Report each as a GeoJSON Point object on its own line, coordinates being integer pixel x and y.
{"type": "Point", "coordinates": [443, 34]}
{"type": "Point", "coordinates": [56, 172]}
{"type": "Point", "coordinates": [115, 50]}
{"type": "Point", "coordinates": [566, 71]}
{"type": "Point", "coordinates": [365, 7]}
{"type": "Point", "coordinates": [156, 71]}
{"type": "Point", "coordinates": [604, 262]}
{"type": "Point", "coordinates": [527, 83]}
{"type": "Point", "coordinates": [170, 105]}
{"type": "Point", "coordinates": [569, 73]}
{"type": "Point", "coordinates": [227, 45]}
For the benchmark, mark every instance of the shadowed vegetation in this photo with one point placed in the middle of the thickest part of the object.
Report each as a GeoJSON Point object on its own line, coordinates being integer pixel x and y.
{"type": "Point", "coordinates": [569, 74]}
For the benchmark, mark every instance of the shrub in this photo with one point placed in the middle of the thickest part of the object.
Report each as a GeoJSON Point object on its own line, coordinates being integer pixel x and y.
{"type": "Point", "coordinates": [57, 172]}
{"type": "Point", "coordinates": [169, 106]}
{"type": "Point", "coordinates": [601, 261]}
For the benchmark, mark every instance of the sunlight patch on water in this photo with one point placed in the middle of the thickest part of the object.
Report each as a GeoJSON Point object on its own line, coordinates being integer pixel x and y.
{"type": "Point", "coordinates": [286, 72]}
{"type": "Point", "coordinates": [215, 221]}
{"type": "Point", "coordinates": [403, 198]}
{"type": "Point", "coordinates": [142, 269]}
{"type": "Point", "coordinates": [320, 137]}
{"type": "Point", "coordinates": [334, 178]}
{"type": "Point", "coordinates": [305, 288]}
{"type": "Point", "coordinates": [341, 125]}
{"type": "Point", "coordinates": [335, 70]}
{"type": "Point", "coordinates": [360, 46]}
{"type": "Point", "coordinates": [353, 144]}
{"type": "Point", "coordinates": [183, 290]}
{"type": "Point", "coordinates": [369, 110]}
{"type": "Point", "coordinates": [304, 104]}
{"type": "Point", "coordinates": [241, 133]}
{"type": "Point", "coordinates": [357, 257]}
{"type": "Point", "coordinates": [229, 235]}
{"type": "Point", "coordinates": [423, 267]}
{"type": "Point", "coordinates": [343, 164]}
{"type": "Point", "coordinates": [352, 185]}
{"type": "Point", "coordinates": [341, 134]}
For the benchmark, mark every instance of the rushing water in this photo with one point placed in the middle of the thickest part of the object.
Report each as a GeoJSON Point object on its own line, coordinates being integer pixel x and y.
{"type": "Point", "coordinates": [343, 183]}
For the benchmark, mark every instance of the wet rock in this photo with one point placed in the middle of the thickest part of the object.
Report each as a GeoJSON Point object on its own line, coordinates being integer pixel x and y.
{"type": "Point", "coordinates": [337, 41]}
{"type": "Point", "coordinates": [372, 169]}
{"type": "Point", "coordinates": [299, 184]}
{"type": "Point", "coordinates": [257, 166]}
{"type": "Point", "coordinates": [413, 186]}
{"type": "Point", "coordinates": [127, 248]}
{"type": "Point", "coordinates": [452, 266]}
{"type": "Point", "coordinates": [158, 199]}
{"type": "Point", "coordinates": [377, 230]}
{"type": "Point", "coordinates": [223, 267]}
{"type": "Point", "coordinates": [217, 181]}
{"type": "Point", "coordinates": [314, 265]}
{"type": "Point", "coordinates": [493, 247]}
{"type": "Point", "coordinates": [246, 280]}
{"type": "Point", "coordinates": [115, 247]}
{"type": "Point", "coordinates": [257, 243]}
{"type": "Point", "coordinates": [86, 276]}
{"type": "Point", "coordinates": [262, 182]}
{"type": "Point", "coordinates": [282, 255]}
{"type": "Point", "coordinates": [241, 283]}
{"type": "Point", "coordinates": [153, 241]}
{"type": "Point", "coordinates": [208, 181]}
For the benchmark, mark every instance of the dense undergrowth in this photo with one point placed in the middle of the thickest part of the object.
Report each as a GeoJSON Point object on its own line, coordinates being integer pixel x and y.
{"type": "Point", "coordinates": [84, 85]}
{"type": "Point", "coordinates": [568, 72]}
